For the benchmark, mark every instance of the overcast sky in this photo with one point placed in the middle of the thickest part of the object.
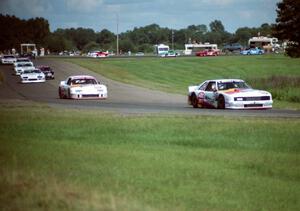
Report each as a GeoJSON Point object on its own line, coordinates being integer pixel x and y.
{"type": "Point", "coordinates": [175, 14]}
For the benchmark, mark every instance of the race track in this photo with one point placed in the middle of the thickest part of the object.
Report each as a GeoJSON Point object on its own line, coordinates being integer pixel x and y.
{"type": "Point", "coordinates": [122, 97]}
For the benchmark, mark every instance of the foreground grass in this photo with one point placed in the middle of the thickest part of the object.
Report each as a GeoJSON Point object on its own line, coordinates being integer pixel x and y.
{"type": "Point", "coordinates": [176, 74]}
{"type": "Point", "coordinates": [88, 160]}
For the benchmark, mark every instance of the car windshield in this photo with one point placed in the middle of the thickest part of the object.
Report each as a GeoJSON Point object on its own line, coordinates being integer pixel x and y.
{"type": "Point", "coordinates": [23, 60]}
{"type": "Point", "coordinates": [25, 65]}
{"type": "Point", "coordinates": [36, 71]}
{"type": "Point", "coordinates": [27, 71]}
{"type": "Point", "coordinates": [232, 85]}
{"type": "Point", "coordinates": [8, 57]}
{"type": "Point", "coordinates": [45, 68]}
{"type": "Point", "coordinates": [84, 81]}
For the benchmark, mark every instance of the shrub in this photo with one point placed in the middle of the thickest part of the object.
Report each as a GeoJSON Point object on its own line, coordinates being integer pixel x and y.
{"type": "Point", "coordinates": [285, 88]}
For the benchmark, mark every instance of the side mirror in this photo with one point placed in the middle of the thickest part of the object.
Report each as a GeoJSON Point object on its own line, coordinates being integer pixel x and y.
{"type": "Point", "coordinates": [62, 83]}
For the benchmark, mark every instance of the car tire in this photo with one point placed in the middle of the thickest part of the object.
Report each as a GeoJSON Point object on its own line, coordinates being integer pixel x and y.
{"type": "Point", "coordinates": [69, 93]}
{"type": "Point", "coordinates": [194, 101]}
{"type": "Point", "coordinates": [221, 102]}
{"type": "Point", "coordinates": [61, 95]}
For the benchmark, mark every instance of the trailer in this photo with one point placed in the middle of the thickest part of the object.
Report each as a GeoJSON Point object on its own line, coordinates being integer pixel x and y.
{"type": "Point", "coordinates": [29, 48]}
{"type": "Point", "coordinates": [266, 43]}
{"type": "Point", "coordinates": [193, 48]}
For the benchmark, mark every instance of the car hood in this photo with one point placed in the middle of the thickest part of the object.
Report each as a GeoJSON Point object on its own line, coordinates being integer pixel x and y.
{"type": "Point", "coordinates": [25, 68]}
{"type": "Point", "coordinates": [244, 93]}
{"type": "Point", "coordinates": [88, 86]}
{"type": "Point", "coordinates": [32, 75]}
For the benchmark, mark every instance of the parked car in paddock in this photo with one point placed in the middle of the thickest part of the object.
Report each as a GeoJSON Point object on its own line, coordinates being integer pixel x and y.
{"type": "Point", "coordinates": [20, 67]}
{"type": "Point", "coordinates": [170, 53]}
{"type": "Point", "coordinates": [252, 51]}
{"type": "Point", "coordinates": [140, 54]}
{"type": "Point", "coordinates": [49, 73]}
{"type": "Point", "coordinates": [8, 59]}
{"type": "Point", "coordinates": [208, 52]}
{"type": "Point", "coordinates": [82, 87]}
{"type": "Point", "coordinates": [232, 47]}
{"type": "Point", "coordinates": [98, 54]}
{"type": "Point", "coordinates": [32, 76]}
{"type": "Point", "coordinates": [228, 93]}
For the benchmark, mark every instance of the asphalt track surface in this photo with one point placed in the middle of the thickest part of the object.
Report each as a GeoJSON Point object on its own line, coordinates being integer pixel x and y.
{"type": "Point", "coordinates": [122, 97]}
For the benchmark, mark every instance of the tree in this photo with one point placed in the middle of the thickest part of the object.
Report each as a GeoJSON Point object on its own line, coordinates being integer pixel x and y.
{"type": "Point", "coordinates": [217, 26]}
{"type": "Point", "coordinates": [242, 35]}
{"type": "Point", "coordinates": [15, 31]}
{"type": "Point", "coordinates": [126, 45]}
{"type": "Point", "coordinates": [105, 37]}
{"type": "Point", "coordinates": [56, 43]}
{"type": "Point", "coordinates": [217, 33]}
{"type": "Point", "coordinates": [265, 29]}
{"type": "Point", "coordinates": [288, 25]}
{"type": "Point", "coordinates": [91, 46]}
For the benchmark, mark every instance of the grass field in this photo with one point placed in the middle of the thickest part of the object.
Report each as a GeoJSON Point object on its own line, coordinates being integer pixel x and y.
{"type": "Point", "coordinates": [276, 73]}
{"type": "Point", "coordinates": [57, 159]}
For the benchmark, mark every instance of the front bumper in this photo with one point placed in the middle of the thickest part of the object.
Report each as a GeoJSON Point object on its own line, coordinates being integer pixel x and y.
{"type": "Point", "coordinates": [249, 104]}
{"type": "Point", "coordinates": [32, 81]}
{"type": "Point", "coordinates": [88, 96]}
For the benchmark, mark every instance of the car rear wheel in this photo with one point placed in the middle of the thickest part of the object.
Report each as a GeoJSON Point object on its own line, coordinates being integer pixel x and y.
{"type": "Point", "coordinates": [69, 93]}
{"type": "Point", "coordinates": [195, 101]}
{"type": "Point", "coordinates": [61, 95]}
{"type": "Point", "coordinates": [221, 102]}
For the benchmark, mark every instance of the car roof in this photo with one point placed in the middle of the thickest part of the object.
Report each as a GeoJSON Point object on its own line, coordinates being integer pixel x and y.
{"type": "Point", "coordinates": [32, 70]}
{"type": "Point", "coordinates": [43, 66]}
{"type": "Point", "coordinates": [82, 77]}
{"type": "Point", "coordinates": [23, 62]}
{"type": "Point", "coordinates": [23, 58]}
{"type": "Point", "coordinates": [225, 80]}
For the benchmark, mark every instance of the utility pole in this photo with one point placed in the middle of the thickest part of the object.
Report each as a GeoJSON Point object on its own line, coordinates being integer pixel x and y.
{"type": "Point", "coordinates": [117, 34]}
{"type": "Point", "coordinates": [172, 39]}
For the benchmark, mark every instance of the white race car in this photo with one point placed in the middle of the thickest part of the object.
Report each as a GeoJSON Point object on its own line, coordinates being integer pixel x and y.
{"type": "Point", "coordinates": [32, 76]}
{"type": "Point", "coordinates": [8, 59]}
{"type": "Point", "coordinates": [23, 59]}
{"type": "Point", "coordinates": [20, 67]}
{"type": "Point", "coordinates": [82, 87]}
{"type": "Point", "coordinates": [228, 93]}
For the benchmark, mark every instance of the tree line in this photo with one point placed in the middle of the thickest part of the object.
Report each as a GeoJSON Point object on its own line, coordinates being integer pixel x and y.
{"type": "Point", "coordinates": [15, 31]}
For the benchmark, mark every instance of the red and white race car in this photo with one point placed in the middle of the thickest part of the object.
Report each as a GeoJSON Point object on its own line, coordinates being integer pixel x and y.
{"type": "Point", "coordinates": [98, 54]}
{"type": "Point", "coordinates": [82, 87]}
{"type": "Point", "coordinates": [228, 93]}
{"type": "Point", "coordinates": [208, 52]}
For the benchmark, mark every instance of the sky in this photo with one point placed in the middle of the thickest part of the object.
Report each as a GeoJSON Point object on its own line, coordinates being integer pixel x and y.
{"type": "Point", "coordinates": [174, 14]}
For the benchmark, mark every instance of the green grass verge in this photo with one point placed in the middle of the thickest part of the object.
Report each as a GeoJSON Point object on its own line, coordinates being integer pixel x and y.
{"type": "Point", "coordinates": [175, 74]}
{"type": "Point", "coordinates": [57, 159]}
